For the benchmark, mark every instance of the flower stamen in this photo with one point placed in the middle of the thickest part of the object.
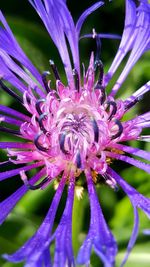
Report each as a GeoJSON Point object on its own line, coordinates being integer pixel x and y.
{"type": "Point", "coordinates": [37, 144]}
{"type": "Point", "coordinates": [98, 44]}
{"type": "Point", "coordinates": [40, 121]}
{"type": "Point", "coordinates": [120, 129]}
{"type": "Point", "coordinates": [76, 79]}
{"type": "Point", "coordinates": [98, 64]}
{"type": "Point", "coordinates": [78, 161]}
{"type": "Point", "coordinates": [8, 130]}
{"type": "Point", "coordinates": [110, 182]}
{"type": "Point", "coordinates": [38, 104]}
{"type": "Point", "coordinates": [32, 187]}
{"type": "Point", "coordinates": [44, 75]}
{"type": "Point", "coordinates": [132, 103]}
{"type": "Point", "coordinates": [114, 109]}
{"type": "Point", "coordinates": [62, 137]}
{"type": "Point", "coordinates": [10, 92]}
{"type": "Point", "coordinates": [54, 69]}
{"type": "Point", "coordinates": [96, 130]}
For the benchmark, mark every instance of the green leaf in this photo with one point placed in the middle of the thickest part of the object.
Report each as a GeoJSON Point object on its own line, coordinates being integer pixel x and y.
{"type": "Point", "coordinates": [78, 221]}
{"type": "Point", "coordinates": [140, 256]}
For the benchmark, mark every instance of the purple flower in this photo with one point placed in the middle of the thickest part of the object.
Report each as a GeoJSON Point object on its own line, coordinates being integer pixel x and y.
{"type": "Point", "coordinates": [72, 129]}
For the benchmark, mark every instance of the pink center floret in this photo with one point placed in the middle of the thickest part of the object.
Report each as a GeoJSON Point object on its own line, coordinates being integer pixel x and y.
{"type": "Point", "coordinates": [74, 129]}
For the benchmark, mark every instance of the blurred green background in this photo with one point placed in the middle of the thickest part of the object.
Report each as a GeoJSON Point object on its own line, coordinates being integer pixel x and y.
{"type": "Point", "coordinates": [30, 211]}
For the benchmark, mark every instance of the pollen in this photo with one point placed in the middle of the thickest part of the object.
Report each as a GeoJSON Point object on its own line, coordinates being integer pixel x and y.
{"type": "Point", "coordinates": [94, 176]}
{"type": "Point", "coordinates": [79, 191]}
{"type": "Point", "coordinates": [109, 160]}
{"type": "Point", "coordinates": [117, 151]}
{"type": "Point", "coordinates": [77, 173]}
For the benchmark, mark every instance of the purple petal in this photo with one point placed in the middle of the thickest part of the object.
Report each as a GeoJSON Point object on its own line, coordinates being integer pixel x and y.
{"type": "Point", "coordinates": [16, 122]}
{"type": "Point", "coordinates": [142, 120]}
{"type": "Point", "coordinates": [141, 165]}
{"type": "Point", "coordinates": [132, 150]}
{"type": "Point", "coordinates": [8, 204]}
{"type": "Point", "coordinates": [55, 23]}
{"type": "Point", "coordinates": [16, 145]}
{"type": "Point", "coordinates": [34, 247]}
{"type": "Point", "coordinates": [14, 67]}
{"type": "Point", "coordinates": [99, 236]}
{"type": "Point", "coordinates": [126, 41]}
{"type": "Point", "coordinates": [146, 231]}
{"type": "Point", "coordinates": [133, 236]}
{"type": "Point", "coordinates": [85, 14]}
{"type": "Point", "coordinates": [47, 258]}
{"type": "Point", "coordinates": [137, 201]}
{"type": "Point", "coordinates": [8, 174]}
{"type": "Point", "coordinates": [8, 75]}
{"type": "Point", "coordinates": [9, 44]}
{"type": "Point", "coordinates": [141, 43]}
{"type": "Point", "coordinates": [71, 34]}
{"type": "Point", "coordinates": [139, 93]}
{"type": "Point", "coordinates": [145, 138]}
{"type": "Point", "coordinates": [43, 261]}
{"type": "Point", "coordinates": [136, 198]}
{"type": "Point", "coordinates": [37, 264]}
{"type": "Point", "coordinates": [63, 233]}
{"type": "Point", "coordinates": [14, 113]}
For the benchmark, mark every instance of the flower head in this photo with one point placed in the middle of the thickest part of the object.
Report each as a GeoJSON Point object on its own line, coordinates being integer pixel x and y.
{"type": "Point", "coordinates": [72, 129]}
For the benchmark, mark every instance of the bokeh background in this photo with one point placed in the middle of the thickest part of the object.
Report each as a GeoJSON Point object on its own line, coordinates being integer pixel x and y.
{"type": "Point", "coordinates": [30, 211]}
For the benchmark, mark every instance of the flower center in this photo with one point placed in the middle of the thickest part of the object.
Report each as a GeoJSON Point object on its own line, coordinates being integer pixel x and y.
{"type": "Point", "coordinates": [75, 129]}
{"type": "Point", "coordinates": [77, 133]}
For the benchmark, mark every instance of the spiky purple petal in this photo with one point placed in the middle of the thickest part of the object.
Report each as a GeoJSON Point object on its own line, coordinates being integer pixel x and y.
{"type": "Point", "coordinates": [137, 201]}
{"type": "Point", "coordinates": [34, 247]}
{"type": "Point", "coordinates": [141, 165]}
{"type": "Point", "coordinates": [9, 203]}
{"type": "Point", "coordinates": [7, 174]}
{"type": "Point", "coordinates": [63, 234]}
{"type": "Point", "coordinates": [99, 236]}
{"type": "Point", "coordinates": [85, 14]}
